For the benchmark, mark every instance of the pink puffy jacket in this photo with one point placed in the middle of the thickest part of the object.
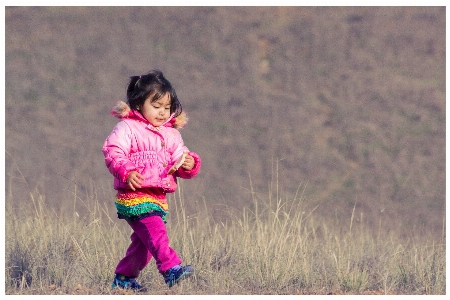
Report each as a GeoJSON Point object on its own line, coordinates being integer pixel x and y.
{"type": "Point", "coordinates": [136, 145]}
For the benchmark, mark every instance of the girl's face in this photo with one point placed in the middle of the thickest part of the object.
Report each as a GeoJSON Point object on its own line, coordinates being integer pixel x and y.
{"type": "Point", "coordinates": [157, 112]}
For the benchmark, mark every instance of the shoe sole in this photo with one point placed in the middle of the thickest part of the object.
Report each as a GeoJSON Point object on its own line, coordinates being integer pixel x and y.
{"type": "Point", "coordinates": [116, 286]}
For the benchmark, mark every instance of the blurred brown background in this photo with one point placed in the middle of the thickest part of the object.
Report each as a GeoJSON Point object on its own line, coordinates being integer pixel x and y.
{"type": "Point", "coordinates": [344, 104]}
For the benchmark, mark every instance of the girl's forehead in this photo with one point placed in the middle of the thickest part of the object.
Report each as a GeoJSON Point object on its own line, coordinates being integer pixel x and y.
{"type": "Point", "coordinates": [165, 99]}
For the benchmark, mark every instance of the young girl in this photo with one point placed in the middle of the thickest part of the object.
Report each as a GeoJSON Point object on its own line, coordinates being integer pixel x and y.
{"type": "Point", "coordinates": [145, 154]}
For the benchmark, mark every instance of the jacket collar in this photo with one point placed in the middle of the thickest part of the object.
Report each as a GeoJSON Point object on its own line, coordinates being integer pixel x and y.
{"type": "Point", "coordinates": [122, 111]}
{"type": "Point", "coordinates": [136, 115]}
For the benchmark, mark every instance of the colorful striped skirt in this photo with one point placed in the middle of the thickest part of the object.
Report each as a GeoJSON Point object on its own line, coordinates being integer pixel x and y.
{"type": "Point", "coordinates": [142, 203]}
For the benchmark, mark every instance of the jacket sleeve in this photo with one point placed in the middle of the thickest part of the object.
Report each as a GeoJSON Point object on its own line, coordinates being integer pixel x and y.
{"type": "Point", "coordinates": [187, 174]}
{"type": "Point", "coordinates": [116, 149]}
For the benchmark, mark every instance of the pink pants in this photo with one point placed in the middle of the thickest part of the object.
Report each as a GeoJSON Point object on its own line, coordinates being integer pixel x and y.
{"type": "Point", "coordinates": [148, 240]}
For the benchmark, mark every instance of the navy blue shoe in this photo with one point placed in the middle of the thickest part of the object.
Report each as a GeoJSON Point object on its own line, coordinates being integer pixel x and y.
{"type": "Point", "coordinates": [173, 275]}
{"type": "Point", "coordinates": [128, 283]}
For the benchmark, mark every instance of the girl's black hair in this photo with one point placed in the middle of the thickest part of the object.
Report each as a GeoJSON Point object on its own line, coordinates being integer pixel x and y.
{"type": "Point", "coordinates": [154, 82]}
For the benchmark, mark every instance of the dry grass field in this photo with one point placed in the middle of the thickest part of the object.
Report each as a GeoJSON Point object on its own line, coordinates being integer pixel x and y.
{"type": "Point", "coordinates": [321, 130]}
{"type": "Point", "coordinates": [279, 248]}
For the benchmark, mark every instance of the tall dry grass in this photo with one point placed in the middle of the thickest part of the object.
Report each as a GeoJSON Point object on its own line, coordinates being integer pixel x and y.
{"type": "Point", "coordinates": [276, 246]}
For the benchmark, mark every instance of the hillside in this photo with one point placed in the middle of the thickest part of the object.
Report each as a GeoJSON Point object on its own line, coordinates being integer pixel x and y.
{"type": "Point", "coordinates": [346, 105]}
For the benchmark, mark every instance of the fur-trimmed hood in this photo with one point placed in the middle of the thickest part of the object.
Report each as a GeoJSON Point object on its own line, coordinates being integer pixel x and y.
{"type": "Point", "coordinates": [121, 110]}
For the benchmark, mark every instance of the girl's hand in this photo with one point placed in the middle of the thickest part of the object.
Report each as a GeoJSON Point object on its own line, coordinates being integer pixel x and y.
{"type": "Point", "coordinates": [188, 163]}
{"type": "Point", "coordinates": [134, 180]}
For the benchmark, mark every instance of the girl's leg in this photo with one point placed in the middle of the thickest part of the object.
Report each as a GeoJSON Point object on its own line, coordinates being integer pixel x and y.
{"type": "Point", "coordinates": [136, 258]}
{"type": "Point", "coordinates": [152, 233]}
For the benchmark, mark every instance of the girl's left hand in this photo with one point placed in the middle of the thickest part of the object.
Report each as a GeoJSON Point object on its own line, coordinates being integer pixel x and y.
{"type": "Point", "coordinates": [188, 163]}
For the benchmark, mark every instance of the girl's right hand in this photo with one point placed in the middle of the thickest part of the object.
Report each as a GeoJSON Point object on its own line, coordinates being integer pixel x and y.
{"type": "Point", "coordinates": [134, 180]}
